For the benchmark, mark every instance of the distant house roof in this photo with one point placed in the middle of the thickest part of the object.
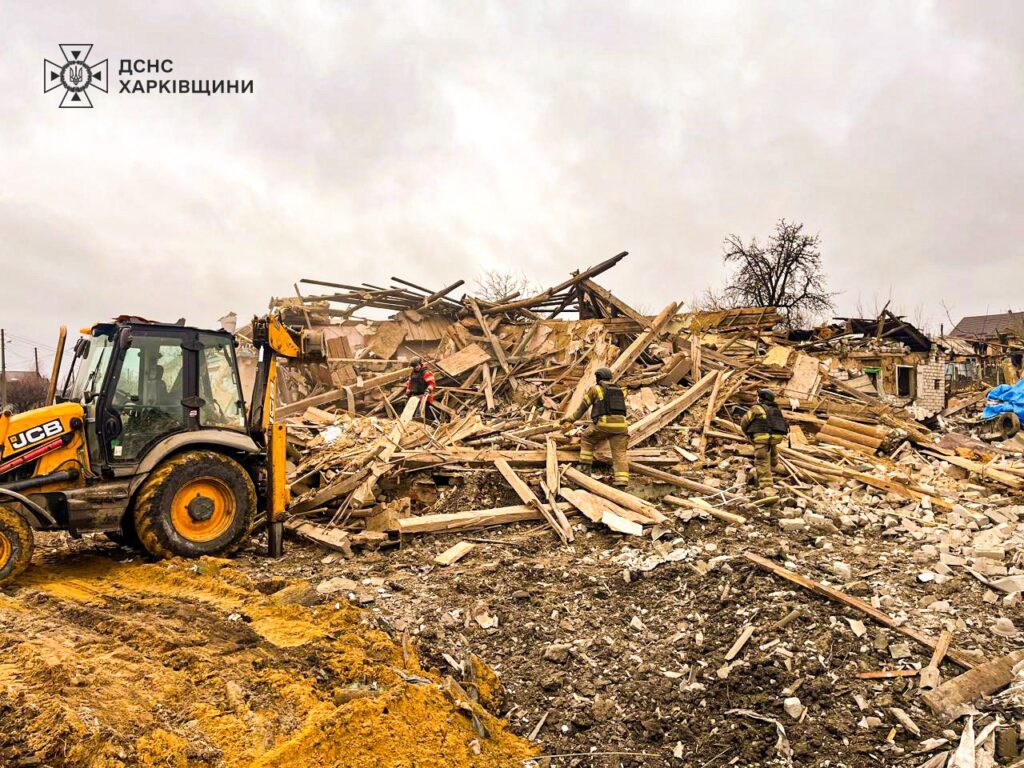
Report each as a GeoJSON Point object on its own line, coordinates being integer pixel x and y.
{"type": "Point", "coordinates": [984, 326]}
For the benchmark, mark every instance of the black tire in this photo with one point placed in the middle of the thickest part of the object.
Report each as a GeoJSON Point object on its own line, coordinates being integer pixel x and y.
{"type": "Point", "coordinates": [194, 504]}
{"type": "Point", "coordinates": [16, 544]}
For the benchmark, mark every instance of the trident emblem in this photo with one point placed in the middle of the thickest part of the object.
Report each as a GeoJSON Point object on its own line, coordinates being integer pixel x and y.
{"type": "Point", "coordinates": [75, 75]}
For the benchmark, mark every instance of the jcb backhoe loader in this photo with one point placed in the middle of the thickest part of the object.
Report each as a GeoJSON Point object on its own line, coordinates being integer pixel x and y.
{"type": "Point", "coordinates": [151, 442]}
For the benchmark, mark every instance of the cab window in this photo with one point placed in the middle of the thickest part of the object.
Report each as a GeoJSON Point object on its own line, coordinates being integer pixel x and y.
{"type": "Point", "coordinates": [219, 386]}
{"type": "Point", "coordinates": [147, 396]}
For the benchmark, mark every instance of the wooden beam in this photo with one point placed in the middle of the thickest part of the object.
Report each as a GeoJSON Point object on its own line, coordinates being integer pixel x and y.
{"type": "Point", "coordinates": [644, 428]}
{"type": "Point", "coordinates": [367, 490]}
{"type": "Point", "coordinates": [634, 350]}
{"type": "Point", "coordinates": [488, 387]}
{"type": "Point", "coordinates": [680, 482]}
{"type": "Point", "coordinates": [960, 657]}
{"type": "Point", "coordinates": [598, 359]}
{"type": "Point", "coordinates": [336, 394]}
{"type": "Point", "coordinates": [622, 498]}
{"type": "Point", "coordinates": [527, 496]}
{"type": "Point", "coordinates": [708, 415]}
{"type": "Point", "coordinates": [617, 303]}
{"type": "Point", "coordinates": [547, 294]}
{"type": "Point", "coordinates": [469, 520]}
{"type": "Point", "coordinates": [499, 353]}
{"type": "Point", "coordinates": [702, 506]}
{"type": "Point", "coordinates": [454, 553]}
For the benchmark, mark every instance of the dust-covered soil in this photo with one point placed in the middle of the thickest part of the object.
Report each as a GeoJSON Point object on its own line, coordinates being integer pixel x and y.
{"type": "Point", "coordinates": [614, 651]}
{"type": "Point", "coordinates": [107, 660]}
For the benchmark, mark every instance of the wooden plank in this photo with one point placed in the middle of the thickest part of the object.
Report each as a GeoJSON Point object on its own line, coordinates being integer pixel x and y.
{"type": "Point", "coordinates": [709, 414]}
{"type": "Point", "coordinates": [554, 290]}
{"type": "Point", "coordinates": [517, 458]}
{"type": "Point", "coordinates": [622, 498]}
{"type": "Point", "coordinates": [366, 493]}
{"type": "Point", "coordinates": [331, 492]}
{"type": "Point", "coordinates": [831, 430]}
{"type": "Point", "coordinates": [598, 510]}
{"type": "Point", "coordinates": [703, 506]}
{"type": "Point", "coordinates": [499, 353]}
{"type": "Point", "coordinates": [833, 440]}
{"type": "Point", "coordinates": [681, 482]}
{"type": "Point", "coordinates": [741, 641]}
{"type": "Point", "coordinates": [955, 697]}
{"type": "Point", "coordinates": [551, 466]}
{"type": "Point", "coordinates": [854, 426]}
{"type": "Point", "coordinates": [387, 339]}
{"type": "Point", "coordinates": [334, 395]}
{"type": "Point", "coordinates": [886, 674]}
{"type": "Point", "coordinates": [617, 303]}
{"type": "Point", "coordinates": [634, 350]}
{"type": "Point", "coordinates": [527, 496]}
{"type": "Point", "coordinates": [588, 504]}
{"type": "Point", "coordinates": [331, 538]}
{"type": "Point", "coordinates": [930, 677]}
{"type": "Point", "coordinates": [642, 429]}
{"type": "Point", "coordinates": [455, 553]}
{"type": "Point", "coordinates": [469, 520]}
{"type": "Point", "coordinates": [806, 379]}
{"type": "Point", "coordinates": [488, 386]}
{"type": "Point", "coordinates": [598, 359]}
{"type": "Point", "coordinates": [676, 372]}
{"type": "Point", "coordinates": [978, 468]}
{"type": "Point", "coordinates": [960, 657]}
{"type": "Point", "coordinates": [464, 360]}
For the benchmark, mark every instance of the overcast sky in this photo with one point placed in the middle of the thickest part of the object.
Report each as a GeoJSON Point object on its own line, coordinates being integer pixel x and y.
{"type": "Point", "coordinates": [433, 140]}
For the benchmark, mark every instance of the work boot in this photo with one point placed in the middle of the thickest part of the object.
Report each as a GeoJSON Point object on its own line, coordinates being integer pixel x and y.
{"type": "Point", "coordinates": [588, 469]}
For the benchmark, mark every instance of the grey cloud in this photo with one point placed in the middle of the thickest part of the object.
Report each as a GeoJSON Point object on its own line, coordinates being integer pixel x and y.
{"type": "Point", "coordinates": [431, 140]}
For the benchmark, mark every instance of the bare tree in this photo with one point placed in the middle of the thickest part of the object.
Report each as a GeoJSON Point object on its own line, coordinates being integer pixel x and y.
{"type": "Point", "coordinates": [710, 300]}
{"type": "Point", "coordinates": [498, 286]}
{"type": "Point", "coordinates": [26, 392]}
{"type": "Point", "coordinates": [785, 273]}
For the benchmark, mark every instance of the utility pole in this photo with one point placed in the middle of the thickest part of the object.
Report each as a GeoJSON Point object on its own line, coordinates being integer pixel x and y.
{"type": "Point", "coordinates": [3, 368]}
{"type": "Point", "coordinates": [35, 351]}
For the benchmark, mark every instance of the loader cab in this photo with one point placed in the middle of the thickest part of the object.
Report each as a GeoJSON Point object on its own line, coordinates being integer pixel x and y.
{"type": "Point", "coordinates": [141, 382]}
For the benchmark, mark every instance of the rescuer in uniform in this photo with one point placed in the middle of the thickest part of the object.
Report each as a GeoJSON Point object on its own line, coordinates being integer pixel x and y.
{"type": "Point", "coordinates": [607, 404]}
{"type": "Point", "coordinates": [421, 384]}
{"type": "Point", "coordinates": [766, 427]}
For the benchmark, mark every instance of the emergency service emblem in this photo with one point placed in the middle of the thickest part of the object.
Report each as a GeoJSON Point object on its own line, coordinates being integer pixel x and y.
{"type": "Point", "coordinates": [75, 76]}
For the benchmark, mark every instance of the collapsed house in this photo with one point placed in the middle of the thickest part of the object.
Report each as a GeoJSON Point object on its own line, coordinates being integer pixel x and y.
{"type": "Point", "coordinates": [509, 370]}
{"type": "Point", "coordinates": [886, 356]}
{"type": "Point", "coordinates": [870, 454]}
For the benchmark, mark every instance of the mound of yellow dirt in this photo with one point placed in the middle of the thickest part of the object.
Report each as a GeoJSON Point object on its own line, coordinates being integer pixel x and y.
{"type": "Point", "coordinates": [185, 663]}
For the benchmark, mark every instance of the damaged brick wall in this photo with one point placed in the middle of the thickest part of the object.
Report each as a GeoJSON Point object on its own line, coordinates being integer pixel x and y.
{"type": "Point", "coordinates": [931, 383]}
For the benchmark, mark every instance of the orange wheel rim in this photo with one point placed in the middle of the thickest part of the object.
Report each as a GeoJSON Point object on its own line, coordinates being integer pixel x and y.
{"type": "Point", "coordinates": [203, 509]}
{"type": "Point", "coordinates": [5, 550]}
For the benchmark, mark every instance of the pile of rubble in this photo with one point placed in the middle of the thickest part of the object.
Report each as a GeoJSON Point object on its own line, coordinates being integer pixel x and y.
{"type": "Point", "coordinates": [859, 470]}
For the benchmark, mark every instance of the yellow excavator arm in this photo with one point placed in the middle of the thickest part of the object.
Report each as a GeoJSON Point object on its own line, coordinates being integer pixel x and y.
{"type": "Point", "coordinates": [274, 340]}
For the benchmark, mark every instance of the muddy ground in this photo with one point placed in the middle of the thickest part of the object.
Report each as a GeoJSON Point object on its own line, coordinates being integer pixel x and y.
{"type": "Point", "coordinates": [612, 652]}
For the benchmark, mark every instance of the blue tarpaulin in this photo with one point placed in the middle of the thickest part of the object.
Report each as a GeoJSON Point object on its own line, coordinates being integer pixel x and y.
{"type": "Point", "coordinates": [1005, 398]}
